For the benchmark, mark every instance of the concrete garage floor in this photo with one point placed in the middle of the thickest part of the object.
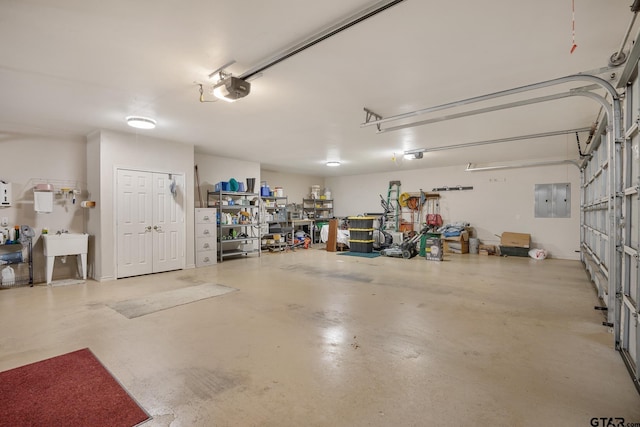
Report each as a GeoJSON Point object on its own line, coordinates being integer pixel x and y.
{"type": "Point", "coordinates": [318, 339]}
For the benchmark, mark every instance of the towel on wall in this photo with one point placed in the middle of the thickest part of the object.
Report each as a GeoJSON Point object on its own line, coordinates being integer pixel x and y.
{"type": "Point", "coordinates": [43, 201]}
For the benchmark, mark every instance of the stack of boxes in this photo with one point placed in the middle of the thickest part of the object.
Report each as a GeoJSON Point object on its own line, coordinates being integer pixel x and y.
{"type": "Point", "coordinates": [457, 244]}
{"type": "Point", "coordinates": [361, 234]}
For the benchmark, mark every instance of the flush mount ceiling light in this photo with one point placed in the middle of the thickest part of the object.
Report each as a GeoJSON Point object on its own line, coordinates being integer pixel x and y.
{"type": "Point", "coordinates": [140, 122]}
{"type": "Point", "coordinates": [333, 163]}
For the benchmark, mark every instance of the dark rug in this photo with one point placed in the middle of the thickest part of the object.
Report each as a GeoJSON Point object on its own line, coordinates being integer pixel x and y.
{"type": "Point", "coordinates": [69, 390]}
{"type": "Point", "coordinates": [361, 254]}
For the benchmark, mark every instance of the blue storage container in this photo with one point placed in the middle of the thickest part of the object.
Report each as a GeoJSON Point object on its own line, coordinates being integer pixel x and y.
{"type": "Point", "coordinates": [11, 257]}
{"type": "Point", "coordinates": [222, 186]}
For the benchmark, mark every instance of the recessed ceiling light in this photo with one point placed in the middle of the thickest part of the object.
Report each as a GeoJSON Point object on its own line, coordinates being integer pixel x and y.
{"type": "Point", "coordinates": [139, 122]}
{"type": "Point", "coordinates": [333, 163]}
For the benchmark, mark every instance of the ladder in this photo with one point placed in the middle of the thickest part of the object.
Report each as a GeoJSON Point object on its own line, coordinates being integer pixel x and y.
{"type": "Point", "coordinates": [393, 212]}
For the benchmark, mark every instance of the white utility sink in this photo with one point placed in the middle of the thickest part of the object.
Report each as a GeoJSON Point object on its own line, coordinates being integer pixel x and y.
{"type": "Point", "coordinates": [65, 244]}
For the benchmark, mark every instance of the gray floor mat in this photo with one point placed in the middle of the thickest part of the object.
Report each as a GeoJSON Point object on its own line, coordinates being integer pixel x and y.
{"type": "Point", "coordinates": [142, 306]}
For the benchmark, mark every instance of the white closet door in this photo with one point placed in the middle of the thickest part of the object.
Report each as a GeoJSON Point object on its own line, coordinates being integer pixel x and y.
{"type": "Point", "coordinates": [168, 222]}
{"type": "Point", "coordinates": [134, 219]}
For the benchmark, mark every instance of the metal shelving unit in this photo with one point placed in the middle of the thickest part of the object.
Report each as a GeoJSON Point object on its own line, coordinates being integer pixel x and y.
{"type": "Point", "coordinates": [13, 254]}
{"type": "Point", "coordinates": [276, 213]}
{"type": "Point", "coordinates": [277, 206]}
{"type": "Point", "coordinates": [318, 210]}
{"type": "Point", "coordinates": [238, 222]}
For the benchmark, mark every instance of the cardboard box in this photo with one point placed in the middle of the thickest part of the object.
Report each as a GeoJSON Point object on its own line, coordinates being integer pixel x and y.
{"type": "Point", "coordinates": [461, 247]}
{"type": "Point", "coordinates": [515, 240]}
{"type": "Point", "coordinates": [456, 244]}
{"type": "Point", "coordinates": [433, 249]}
{"type": "Point", "coordinates": [487, 249]}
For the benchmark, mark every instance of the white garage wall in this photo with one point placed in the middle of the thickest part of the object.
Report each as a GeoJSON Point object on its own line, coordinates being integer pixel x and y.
{"type": "Point", "coordinates": [501, 200]}
{"type": "Point", "coordinates": [29, 159]}
{"type": "Point", "coordinates": [212, 170]}
{"type": "Point", "coordinates": [296, 187]}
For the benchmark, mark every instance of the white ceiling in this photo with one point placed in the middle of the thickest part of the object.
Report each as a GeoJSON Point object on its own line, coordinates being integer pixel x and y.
{"type": "Point", "coordinates": [69, 67]}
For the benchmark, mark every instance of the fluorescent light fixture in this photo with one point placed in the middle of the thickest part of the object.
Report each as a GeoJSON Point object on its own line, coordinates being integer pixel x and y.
{"type": "Point", "coordinates": [139, 122]}
{"type": "Point", "coordinates": [333, 163]}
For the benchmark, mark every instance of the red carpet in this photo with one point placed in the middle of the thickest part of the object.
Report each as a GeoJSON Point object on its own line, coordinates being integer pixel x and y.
{"type": "Point", "coordinates": [69, 390]}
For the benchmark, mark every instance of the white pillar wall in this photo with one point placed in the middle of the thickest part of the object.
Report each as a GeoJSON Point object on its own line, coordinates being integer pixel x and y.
{"type": "Point", "coordinates": [106, 152]}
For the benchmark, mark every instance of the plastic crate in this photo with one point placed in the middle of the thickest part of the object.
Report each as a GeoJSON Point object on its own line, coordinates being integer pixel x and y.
{"type": "Point", "coordinates": [11, 257]}
{"type": "Point", "coordinates": [362, 222]}
{"type": "Point", "coordinates": [358, 235]}
{"type": "Point", "coordinates": [362, 246]}
{"type": "Point", "coordinates": [514, 251]}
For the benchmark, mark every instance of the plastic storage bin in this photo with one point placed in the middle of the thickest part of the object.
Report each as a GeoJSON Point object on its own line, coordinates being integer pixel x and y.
{"type": "Point", "coordinates": [221, 186]}
{"type": "Point", "coordinates": [11, 257]}
{"type": "Point", "coordinates": [363, 246]}
{"type": "Point", "coordinates": [361, 222]}
{"type": "Point", "coordinates": [514, 251]}
{"type": "Point", "coordinates": [358, 235]}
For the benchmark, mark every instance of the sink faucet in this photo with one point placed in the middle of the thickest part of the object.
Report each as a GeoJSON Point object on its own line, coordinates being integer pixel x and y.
{"type": "Point", "coordinates": [59, 232]}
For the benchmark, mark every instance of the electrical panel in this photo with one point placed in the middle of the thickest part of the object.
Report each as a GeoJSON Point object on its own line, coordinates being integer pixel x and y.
{"type": "Point", "coordinates": [553, 200]}
{"type": "Point", "coordinates": [5, 194]}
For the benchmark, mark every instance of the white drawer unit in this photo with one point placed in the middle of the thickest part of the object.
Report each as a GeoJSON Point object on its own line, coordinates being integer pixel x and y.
{"type": "Point", "coordinates": [205, 230]}
{"type": "Point", "coordinates": [204, 259]}
{"type": "Point", "coordinates": [204, 244]}
{"type": "Point", "coordinates": [206, 216]}
{"type": "Point", "coordinates": [205, 236]}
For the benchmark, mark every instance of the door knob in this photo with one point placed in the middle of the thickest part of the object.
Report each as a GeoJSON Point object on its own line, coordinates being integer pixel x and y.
{"type": "Point", "coordinates": [147, 228]}
{"type": "Point", "coordinates": [157, 227]}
